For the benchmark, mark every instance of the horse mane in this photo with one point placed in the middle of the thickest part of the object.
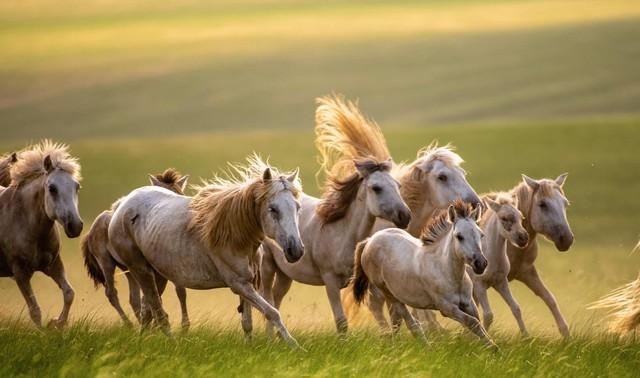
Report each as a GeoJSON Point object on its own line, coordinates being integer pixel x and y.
{"type": "Point", "coordinates": [226, 210]}
{"type": "Point", "coordinates": [31, 162]}
{"type": "Point", "coordinates": [6, 161]}
{"type": "Point", "coordinates": [410, 175]}
{"type": "Point", "coordinates": [439, 225]}
{"type": "Point", "coordinates": [344, 136]}
{"type": "Point", "coordinates": [170, 176]}
{"type": "Point", "coordinates": [340, 193]}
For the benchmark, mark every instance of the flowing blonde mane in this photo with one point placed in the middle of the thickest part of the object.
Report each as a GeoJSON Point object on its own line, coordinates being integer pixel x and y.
{"type": "Point", "coordinates": [345, 137]}
{"type": "Point", "coordinates": [226, 211]}
{"type": "Point", "coordinates": [439, 225]}
{"type": "Point", "coordinates": [410, 175]}
{"type": "Point", "coordinates": [31, 162]}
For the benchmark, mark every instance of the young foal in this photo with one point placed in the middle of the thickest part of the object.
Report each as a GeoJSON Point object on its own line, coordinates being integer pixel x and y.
{"type": "Point", "coordinates": [101, 262]}
{"type": "Point", "coordinates": [543, 205]}
{"type": "Point", "coordinates": [429, 273]}
{"type": "Point", "coordinates": [501, 224]}
{"type": "Point", "coordinates": [44, 190]}
{"type": "Point", "coordinates": [359, 189]}
{"type": "Point", "coordinates": [209, 240]}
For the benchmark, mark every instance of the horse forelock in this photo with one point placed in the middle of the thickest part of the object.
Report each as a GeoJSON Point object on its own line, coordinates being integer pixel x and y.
{"type": "Point", "coordinates": [31, 162]}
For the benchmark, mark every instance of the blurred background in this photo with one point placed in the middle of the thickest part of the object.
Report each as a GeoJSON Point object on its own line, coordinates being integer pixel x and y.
{"type": "Point", "coordinates": [535, 87]}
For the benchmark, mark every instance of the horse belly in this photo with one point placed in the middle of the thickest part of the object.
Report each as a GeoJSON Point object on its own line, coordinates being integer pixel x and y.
{"type": "Point", "coordinates": [303, 270]}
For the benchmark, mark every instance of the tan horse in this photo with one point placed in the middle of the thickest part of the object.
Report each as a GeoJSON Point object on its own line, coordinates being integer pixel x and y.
{"type": "Point", "coordinates": [44, 190]}
{"type": "Point", "coordinates": [426, 273]}
{"type": "Point", "coordinates": [359, 189]}
{"type": "Point", "coordinates": [543, 205]}
{"type": "Point", "coordinates": [209, 240]}
{"type": "Point", "coordinates": [501, 224]}
{"type": "Point", "coordinates": [101, 263]}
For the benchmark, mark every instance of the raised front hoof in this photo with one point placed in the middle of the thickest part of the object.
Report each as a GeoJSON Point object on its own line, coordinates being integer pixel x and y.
{"type": "Point", "coordinates": [56, 324]}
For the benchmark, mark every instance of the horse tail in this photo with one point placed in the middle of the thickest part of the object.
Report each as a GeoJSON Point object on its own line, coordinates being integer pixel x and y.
{"type": "Point", "coordinates": [90, 263]}
{"type": "Point", "coordinates": [624, 304]}
{"type": "Point", "coordinates": [360, 281]}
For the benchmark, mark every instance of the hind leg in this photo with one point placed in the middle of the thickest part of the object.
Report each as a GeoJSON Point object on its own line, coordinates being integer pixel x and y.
{"type": "Point", "coordinates": [23, 279]}
{"type": "Point", "coordinates": [134, 296]}
{"type": "Point", "coordinates": [181, 292]}
{"type": "Point", "coordinates": [56, 272]}
{"type": "Point", "coordinates": [108, 270]}
{"type": "Point", "coordinates": [147, 280]}
{"type": "Point", "coordinates": [376, 306]}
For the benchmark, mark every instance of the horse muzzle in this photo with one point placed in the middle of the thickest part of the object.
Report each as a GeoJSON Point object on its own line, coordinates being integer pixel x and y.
{"type": "Point", "coordinates": [564, 242]}
{"type": "Point", "coordinates": [479, 265]}
{"type": "Point", "coordinates": [523, 239]}
{"type": "Point", "coordinates": [293, 249]}
{"type": "Point", "coordinates": [73, 228]}
{"type": "Point", "coordinates": [402, 219]}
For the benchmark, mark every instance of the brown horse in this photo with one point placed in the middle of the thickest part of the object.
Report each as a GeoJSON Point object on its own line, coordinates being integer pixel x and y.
{"type": "Point", "coordinates": [44, 190]}
{"type": "Point", "coordinates": [101, 262]}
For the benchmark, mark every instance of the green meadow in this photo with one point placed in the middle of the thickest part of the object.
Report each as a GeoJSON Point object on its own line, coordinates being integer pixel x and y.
{"type": "Point", "coordinates": [531, 87]}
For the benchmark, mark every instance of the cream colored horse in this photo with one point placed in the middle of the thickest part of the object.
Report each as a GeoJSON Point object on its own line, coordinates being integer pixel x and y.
{"type": "Point", "coordinates": [101, 262]}
{"type": "Point", "coordinates": [501, 224]}
{"type": "Point", "coordinates": [359, 189]}
{"type": "Point", "coordinates": [426, 273]}
{"type": "Point", "coordinates": [210, 240]}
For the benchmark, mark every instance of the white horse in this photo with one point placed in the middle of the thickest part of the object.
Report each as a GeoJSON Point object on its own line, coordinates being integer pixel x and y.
{"type": "Point", "coordinates": [427, 274]}
{"type": "Point", "coordinates": [501, 224]}
{"type": "Point", "coordinates": [359, 189]}
{"type": "Point", "coordinates": [210, 240]}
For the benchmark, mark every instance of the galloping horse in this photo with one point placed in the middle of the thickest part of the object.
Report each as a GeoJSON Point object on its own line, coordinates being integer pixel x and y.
{"type": "Point", "coordinates": [359, 189]}
{"type": "Point", "coordinates": [101, 262]}
{"type": "Point", "coordinates": [209, 240]}
{"type": "Point", "coordinates": [44, 190]}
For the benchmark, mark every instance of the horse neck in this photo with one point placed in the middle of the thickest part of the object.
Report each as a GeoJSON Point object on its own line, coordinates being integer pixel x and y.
{"type": "Point", "coordinates": [358, 221]}
{"type": "Point", "coordinates": [525, 204]}
{"type": "Point", "coordinates": [495, 242]}
{"type": "Point", "coordinates": [28, 206]}
{"type": "Point", "coordinates": [451, 262]}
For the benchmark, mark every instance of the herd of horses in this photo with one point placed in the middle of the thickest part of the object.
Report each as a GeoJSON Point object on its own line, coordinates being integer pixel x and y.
{"type": "Point", "coordinates": [402, 234]}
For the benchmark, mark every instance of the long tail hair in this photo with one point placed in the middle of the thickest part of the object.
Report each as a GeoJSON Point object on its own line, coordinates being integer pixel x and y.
{"type": "Point", "coordinates": [360, 281]}
{"type": "Point", "coordinates": [91, 264]}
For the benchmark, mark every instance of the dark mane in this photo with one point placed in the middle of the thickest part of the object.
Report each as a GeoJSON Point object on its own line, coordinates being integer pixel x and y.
{"type": "Point", "coordinates": [338, 194]}
{"type": "Point", "coordinates": [439, 225]}
{"type": "Point", "coordinates": [5, 168]}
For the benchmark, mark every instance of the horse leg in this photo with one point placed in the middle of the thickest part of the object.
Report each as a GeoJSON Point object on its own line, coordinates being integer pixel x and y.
{"type": "Point", "coordinates": [413, 325]}
{"type": "Point", "coordinates": [480, 294]}
{"type": "Point", "coordinates": [108, 270]}
{"type": "Point", "coordinates": [531, 278]}
{"type": "Point", "coordinates": [428, 318]}
{"type": "Point", "coordinates": [472, 323]}
{"type": "Point", "coordinates": [134, 296]}
{"type": "Point", "coordinates": [376, 306]}
{"type": "Point", "coordinates": [249, 293]}
{"type": "Point", "coordinates": [56, 272]}
{"type": "Point", "coordinates": [332, 287]}
{"type": "Point", "coordinates": [267, 275]}
{"type": "Point", "coordinates": [181, 293]}
{"type": "Point", "coordinates": [23, 279]}
{"type": "Point", "coordinates": [146, 278]}
{"type": "Point", "coordinates": [280, 289]}
{"type": "Point", "coordinates": [505, 292]}
{"type": "Point", "coordinates": [247, 318]}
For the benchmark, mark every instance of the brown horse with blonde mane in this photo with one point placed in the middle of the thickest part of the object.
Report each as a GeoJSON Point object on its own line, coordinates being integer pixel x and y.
{"type": "Point", "coordinates": [43, 190]}
{"type": "Point", "coordinates": [101, 262]}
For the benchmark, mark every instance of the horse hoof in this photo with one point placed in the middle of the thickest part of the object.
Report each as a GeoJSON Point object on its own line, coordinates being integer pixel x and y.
{"type": "Point", "coordinates": [56, 324]}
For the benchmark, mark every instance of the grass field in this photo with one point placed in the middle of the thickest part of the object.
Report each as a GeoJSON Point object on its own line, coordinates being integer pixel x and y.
{"type": "Point", "coordinates": [536, 87]}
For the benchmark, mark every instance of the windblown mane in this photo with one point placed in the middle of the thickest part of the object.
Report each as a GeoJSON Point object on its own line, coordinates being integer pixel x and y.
{"type": "Point", "coordinates": [439, 225]}
{"type": "Point", "coordinates": [345, 136]}
{"type": "Point", "coordinates": [226, 211]}
{"type": "Point", "coordinates": [31, 162]}
{"type": "Point", "coordinates": [6, 161]}
{"type": "Point", "coordinates": [410, 175]}
{"type": "Point", "coordinates": [170, 177]}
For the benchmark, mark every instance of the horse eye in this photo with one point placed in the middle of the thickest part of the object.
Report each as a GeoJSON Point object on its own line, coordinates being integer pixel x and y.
{"type": "Point", "coordinates": [53, 189]}
{"type": "Point", "coordinates": [443, 178]}
{"type": "Point", "coordinates": [272, 209]}
{"type": "Point", "coordinates": [376, 189]}
{"type": "Point", "coordinates": [543, 205]}
{"type": "Point", "coordinates": [459, 237]}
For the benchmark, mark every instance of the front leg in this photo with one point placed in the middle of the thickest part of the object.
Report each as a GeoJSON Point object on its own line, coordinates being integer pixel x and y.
{"type": "Point", "coordinates": [531, 278]}
{"type": "Point", "coordinates": [480, 294]}
{"type": "Point", "coordinates": [23, 279]}
{"type": "Point", "coordinates": [472, 323]}
{"type": "Point", "coordinates": [56, 272]}
{"type": "Point", "coordinates": [333, 285]}
{"type": "Point", "coordinates": [181, 293]}
{"type": "Point", "coordinates": [503, 289]}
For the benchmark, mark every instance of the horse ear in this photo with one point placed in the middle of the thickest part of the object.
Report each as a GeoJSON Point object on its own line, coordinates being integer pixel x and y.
{"type": "Point", "coordinates": [182, 182]}
{"type": "Point", "coordinates": [476, 214]}
{"type": "Point", "coordinates": [361, 168]}
{"type": "Point", "coordinates": [451, 214]}
{"type": "Point", "coordinates": [154, 180]}
{"type": "Point", "coordinates": [266, 176]}
{"type": "Point", "coordinates": [14, 157]}
{"type": "Point", "coordinates": [533, 184]}
{"type": "Point", "coordinates": [493, 205]}
{"type": "Point", "coordinates": [48, 164]}
{"type": "Point", "coordinates": [561, 179]}
{"type": "Point", "coordinates": [294, 176]}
